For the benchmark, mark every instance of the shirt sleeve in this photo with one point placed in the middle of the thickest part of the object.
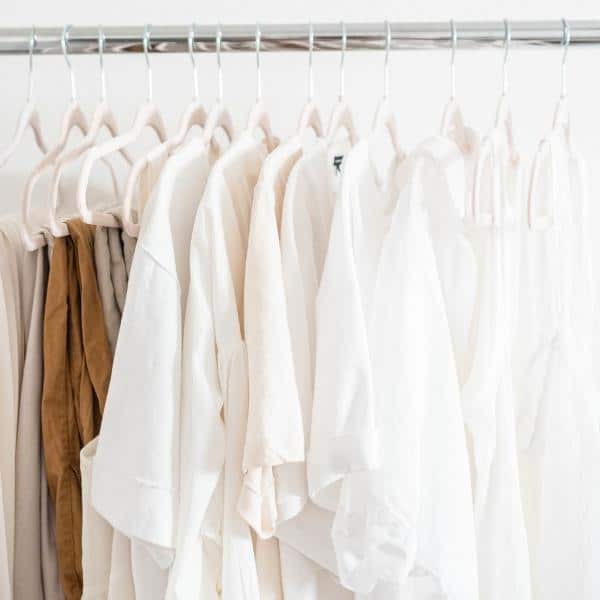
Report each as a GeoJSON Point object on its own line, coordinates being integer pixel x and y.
{"type": "Point", "coordinates": [202, 427]}
{"type": "Point", "coordinates": [343, 435]}
{"type": "Point", "coordinates": [275, 432]}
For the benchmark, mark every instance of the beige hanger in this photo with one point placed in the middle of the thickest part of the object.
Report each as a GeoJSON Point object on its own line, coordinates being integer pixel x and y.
{"type": "Point", "coordinates": [73, 119]}
{"type": "Point", "coordinates": [29, 117]}
{"type": "Point", "coordinates": [259, 117]}
{"type": "Point", "coordinates": [103, 118]}
{"type": "Point", "coordinates": [194, 115]}
{"type": "Point", "coordinates": [453, 124]}
{"type": "Point", "coordinates": [560, 125]}
{"type": "Point", "coordinates": [385, 118]}
{"type": "Point", "coordinates": [148, 116]}
{"type": "Point", "coordinates": [219, 117]}
{"type": "Point", "coordinates": [310, 118]}
{"type": "Point", "coordinates": [341, 116]}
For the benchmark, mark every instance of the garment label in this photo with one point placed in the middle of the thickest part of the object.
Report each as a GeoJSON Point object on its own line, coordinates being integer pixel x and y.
{"type": "Point", "coordinates": [337, 163]}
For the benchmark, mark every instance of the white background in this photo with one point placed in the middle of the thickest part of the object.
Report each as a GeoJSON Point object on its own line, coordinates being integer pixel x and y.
{"type": "Point", "coordinates": [419, 79]}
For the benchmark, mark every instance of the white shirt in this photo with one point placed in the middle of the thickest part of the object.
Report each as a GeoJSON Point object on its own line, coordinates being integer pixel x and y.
{"type": "Point", "coordinates": [392, 411]}
{"type": "Point", "coordinates": [289, 189]}
{"type": "Point", "coordinates": [557, 398]}
{"type": "Point", "coordinates": [136, 469]}
{"type": "Point", "coordinates": [105, 553]}
{"type": "Point", "coordinates": [215, 380]}
{"type": "Point", "coordinates": [487, 394]}
{"type": "Point", "coordinates": [343, 436]}
{"type": "Point", "coordinates": [310, 197]}
{"type": "Point", "coordinates": [275, 434]}
{"type": "Point", "coordinates": [454, 253]}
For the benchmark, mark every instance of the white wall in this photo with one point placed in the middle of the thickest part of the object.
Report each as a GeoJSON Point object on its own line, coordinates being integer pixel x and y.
{"type": "Point", "coordinates": [419, 84]}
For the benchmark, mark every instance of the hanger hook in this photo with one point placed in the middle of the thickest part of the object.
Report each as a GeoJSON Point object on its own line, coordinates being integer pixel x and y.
{"type": "Point", "coordinates": [311, 42]}
{"type": "Point", "coordinates": [101, 40]}
{"type": "Point", "coordinates": [454, 39]}
{"type": "Point", "coordinates": [146, 44]}
{"type": "Point", "coordinates": [258, 77]}
{"type": "Point", "coordinates": [191, 36]}
{"type": "Point", "coordinates": [343, 56]}
{"type": "Point", "coordinates": [566, 40]}
{"type": "Point", "coordinates": [32, 45]}
{"type": "Point", "coordinates": [218, 39]}
{"type": "Point", "coordinates": [64, 42]}
{"type": "Point", "coordinates": [386, 64]}
{"type": "Point", "coordinates": [507, 40]}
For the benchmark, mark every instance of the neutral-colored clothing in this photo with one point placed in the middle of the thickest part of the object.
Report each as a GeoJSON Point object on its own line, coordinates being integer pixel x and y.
{"type": "Point", "coordinates": [487, 394]}
{"type": "Point", "coordinates": [11, 338]}
{"type": "Point", "coordinates": [274, 431]}
{"type": "Point", "coordinates": [557, 395]}
{"type": "Point", "coordinates": [387, 434]}
{"type": "Point", "coordinates": [277, 325]}
{"type": "Point", "coordinates": [112, 249]}
{"type": "Point", "coordinates": [36, 564]}
{"type": "Point", "coordinates": [135, 484]}
{"type": "Point", "coordinates": [106, 554]}
{"type": "Point", "coordinates": [77, 365]}
{"type": "Point", "coordinates": [215, 392]}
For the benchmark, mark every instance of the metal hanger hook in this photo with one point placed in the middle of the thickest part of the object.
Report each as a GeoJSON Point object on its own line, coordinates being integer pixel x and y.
{"type": "Point", "coordinates": [146, 44]}
{"type": "Point", "coordinates": [565, 42]}
{"type": "Point", "coordinates": [454, 40]}
{"type": "Point", "coordinates": [343, 56]}
{"type": "Point", "coordinates": [507, 40]}
{"type": "Point", "coordinates": [101, 40]}
{"type": "Point", "coordinates": [258, 77]}
{"type": "Point", "coordinates": [32, 45]}
{"type": "Point", "coordinates": [311, 42]}
{"type": "Point", "coordinates": [386, 64]}
{"type": "Point", "coordinates": [191, 36]}
{"type": "Point", "coordinates": [218, 39]}
{"type": "Point", "coordinates": [64, 42]}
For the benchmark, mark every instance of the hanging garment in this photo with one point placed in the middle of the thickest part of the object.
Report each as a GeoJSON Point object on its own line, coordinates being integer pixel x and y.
{"type": "Point", "coordinates": [113, 251]}
{"type": "Point", "coordinates": [396, 417]}
{"type": "Point", "coordinates": [487, 394]}
{"type": "Point", "coordinates": [274, 431]}
{"type": "Point", "coordinates": [302, 578]}
{"type": "Point", "coordinates": [135, 483]}
{"type": "Point", "coordinates": [310, 196]}
{"type": "Point", "coordinates": [215, 393]}
{"type": "Point", "coordinates": [343, 437]}
{"type": "Point", "coordinates": [106, 554]}
{"type": "Point", "coordinates": [274, 488]}
{"type": "Point", "coordinates": [11, 331]}
{"type": "Point", "coordinates": [5, 578]}
{"type": "Point", "coordinates": [77, 367]}
{"type": "Point", "coordinates": [36, 566]}
{"type": "Point", "coordinates": [8, 423]}
{"type": "Point", "coordinates": [447, 215]}
{"type": "Point", "coordinates": [307, 212]}
{"type": "Point", "coordinates": [109, 259]}
{"type": "Point", "coordinates": [557, 397]}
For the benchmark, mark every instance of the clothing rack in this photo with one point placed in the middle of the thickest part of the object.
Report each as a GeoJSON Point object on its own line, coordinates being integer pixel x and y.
{"type": "Point", "coordinates": [294, 37]}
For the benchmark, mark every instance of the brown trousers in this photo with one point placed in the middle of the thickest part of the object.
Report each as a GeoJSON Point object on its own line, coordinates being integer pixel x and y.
{"type": "Point", "coordinates": [77, 365]}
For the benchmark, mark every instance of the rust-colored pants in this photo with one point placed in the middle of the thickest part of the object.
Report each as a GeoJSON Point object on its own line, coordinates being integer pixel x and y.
{"type": "Point", "coordinates": [77, 365]}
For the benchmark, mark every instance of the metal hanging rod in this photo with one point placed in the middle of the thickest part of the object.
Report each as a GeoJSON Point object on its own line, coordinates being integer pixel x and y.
{"type": "Point", "coordinates": [294, 37]}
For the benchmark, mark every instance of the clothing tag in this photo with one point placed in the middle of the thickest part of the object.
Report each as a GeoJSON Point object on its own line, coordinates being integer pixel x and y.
{"type": "Point", "coordinates": [337, 163]}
